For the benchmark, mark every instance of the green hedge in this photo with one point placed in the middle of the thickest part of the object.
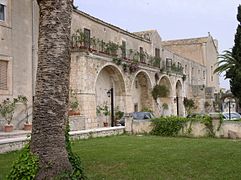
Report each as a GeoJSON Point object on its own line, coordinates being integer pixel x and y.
{"type": "Point", "coordinates": [171, 125]}
{"type": "Point", "coordinates": [168, 126]}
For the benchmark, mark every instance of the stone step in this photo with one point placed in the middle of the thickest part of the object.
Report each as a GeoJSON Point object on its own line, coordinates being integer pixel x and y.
{"type": "Point", "coordinates": [14, 134]}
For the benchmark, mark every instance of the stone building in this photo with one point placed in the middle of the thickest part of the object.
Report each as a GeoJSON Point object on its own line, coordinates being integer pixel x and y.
{"type": "Point", "coordinates": [18, 52]}
{"type": "Point", "coordinates": [105, 57]}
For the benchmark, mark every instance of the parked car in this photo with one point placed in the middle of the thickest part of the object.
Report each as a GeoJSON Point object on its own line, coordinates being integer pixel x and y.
{"type": "Point", "coordinates": [138, 116]}
{"type": "Point", "coordinates": [233, 116]}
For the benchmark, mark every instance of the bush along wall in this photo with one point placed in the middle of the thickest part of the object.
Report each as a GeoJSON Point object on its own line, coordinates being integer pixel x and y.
{"type": "Point", "coordinates": [168, 126]}
{"type": "Point", "coordinates": [174, 126]}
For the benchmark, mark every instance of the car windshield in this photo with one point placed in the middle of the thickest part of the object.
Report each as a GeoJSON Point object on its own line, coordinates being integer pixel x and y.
{"type": "Point", "coordinates": [232, 115]}
{"type": "Point", "coordinates": [142, 115]}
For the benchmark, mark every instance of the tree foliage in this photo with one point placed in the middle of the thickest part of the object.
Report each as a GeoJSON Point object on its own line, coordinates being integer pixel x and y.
{"type": "Point", "coordinates": [225, 63]}
{"type": "Point", "coordinates": [189, 105]}
{"type": "Point", "coordinates": [230, 62]}
{"type": "Point", "coordinates": [235, 72]}
{"type": "Point", "coordinates": [159, 91]}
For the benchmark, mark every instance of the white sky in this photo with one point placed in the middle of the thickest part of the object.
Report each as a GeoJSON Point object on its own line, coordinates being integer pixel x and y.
{"type": "Point", "coordinates": [173, 19]}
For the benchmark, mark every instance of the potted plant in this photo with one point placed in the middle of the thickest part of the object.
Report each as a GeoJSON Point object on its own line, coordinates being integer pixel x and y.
{"type": "Point", "coordinates": [7, 108]}
{"type": "Point", "coordinates": [24, 101]}
{"type": "Point", "coordinates": [133, 67]}
{"type": "Point", "coordinates": [125, 66]}
{"type": "Point", "coordinates": [74, 105]}
{"type": "Point", "coordinates": [106, 113]}
{"type": "Point", "coordinates": [93, 44]}
{"type": "Point", "coordinates": [103, 110]}
{"type": "Point", "coordinates": [118, 115]}
{"type": "Point", "coordinates": [130, 53]}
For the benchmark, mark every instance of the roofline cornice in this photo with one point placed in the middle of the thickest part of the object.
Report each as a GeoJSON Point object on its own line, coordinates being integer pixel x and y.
{"type": "Point", "coordinates": [110, 26]}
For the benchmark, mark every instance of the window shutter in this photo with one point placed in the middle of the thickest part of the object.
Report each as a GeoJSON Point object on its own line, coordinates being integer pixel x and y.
{"type": "Point", "coordinates": [3, 75]}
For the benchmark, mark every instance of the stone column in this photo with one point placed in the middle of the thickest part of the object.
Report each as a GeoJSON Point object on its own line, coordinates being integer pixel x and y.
{"type": "Point", "coordinates": [129, 104]}
{"type": "Point", "coordinates": [129, 123]}
{"type": "Point", "coordinates": [88, 109]}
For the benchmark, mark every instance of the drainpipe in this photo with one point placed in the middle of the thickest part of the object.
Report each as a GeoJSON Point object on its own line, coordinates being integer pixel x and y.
{"type": "Point", "coordinates": [33, 49]}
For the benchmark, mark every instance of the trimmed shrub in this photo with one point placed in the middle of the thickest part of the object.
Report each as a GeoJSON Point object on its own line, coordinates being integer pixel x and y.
{"type": "Point", "coordinates": [168, 126]}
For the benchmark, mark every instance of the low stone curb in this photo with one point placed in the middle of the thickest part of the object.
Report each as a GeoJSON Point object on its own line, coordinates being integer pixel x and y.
{"type": "Point", "coordinates": [17, 143]}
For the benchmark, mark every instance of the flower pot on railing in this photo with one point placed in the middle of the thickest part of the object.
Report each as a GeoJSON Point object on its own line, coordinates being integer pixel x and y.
{"type": "Point", "coordinates": [105, 124]}
{"type": "Point", "coordinates": [27, 127]}
{"type": "Point", "coordinates": [73, 113]}
{"type": "Point", "coordinates": [8, 128]}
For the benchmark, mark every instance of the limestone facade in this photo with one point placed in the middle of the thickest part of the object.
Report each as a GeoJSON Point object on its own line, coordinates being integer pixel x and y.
{"type": "Point", "coordinates": [18, 51]}
{"type": "Point", "coordinates": [140, 61]}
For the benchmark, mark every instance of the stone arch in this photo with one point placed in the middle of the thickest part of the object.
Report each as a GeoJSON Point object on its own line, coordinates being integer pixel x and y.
{"type": "Point", "coordinates": [165, 103]}
{"type": "Point", "coordinates": [141, 91]}
{"type": "Point", "coordinates": [164, 80]}
{"type": "Point", "coordinates": [229, 103]}
{"type": "Point", "coordinates": [179, 99]}
{"type": "Point", "coordinates": [109, 77]}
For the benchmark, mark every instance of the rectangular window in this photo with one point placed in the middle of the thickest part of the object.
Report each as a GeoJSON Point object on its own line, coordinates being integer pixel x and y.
{"type": "Point", "coordinates": [136, 83]}
{"type": "Point", "coordinates": [123, 49]}
{"type": "Point", "coordinates": [2, 12]}
{"type": "Point", "coordinates": [136, 107]}
{"type": "Point", "coordinates": [192, 71]}
{"type": "Point", "coordinates": [179, 65]}
{"type": "Point", "coordinates": [185, 69]}
{"type": "Point", "coordinates": [142, 55]}
{"type": "Point", "coordinates": [211, 73]}
{"type": "Point", "coordinates": [3, 75]}
{"type": "Point", "coordinates": [204, 75]}
{"type": "Point", "coordinates": [86, 38]}
{"type": "Point", "coordinates": [168, 62]}
{"type": "Point", "coordinates": [157, 52]}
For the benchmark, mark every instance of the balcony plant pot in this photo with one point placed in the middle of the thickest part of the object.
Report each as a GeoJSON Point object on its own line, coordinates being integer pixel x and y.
{"type": "Point", "coordinates": [27, 127]}
{"type": "Point", "coordinates": [8, 128]}
{"type": "Point", "coordinates": [105, 124]}
{"type": "Point", "coordinates": [92, 50]}
{"type": "Point", "coordinates": [73, 113]}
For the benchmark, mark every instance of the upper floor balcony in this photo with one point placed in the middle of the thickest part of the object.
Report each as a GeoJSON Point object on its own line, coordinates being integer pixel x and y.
{"type": "Point", "coordinates": [129, 59]}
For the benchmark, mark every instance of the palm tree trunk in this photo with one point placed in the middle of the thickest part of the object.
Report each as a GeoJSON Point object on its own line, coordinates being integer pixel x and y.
{"type": "Point", "coordinates": [52, 88]}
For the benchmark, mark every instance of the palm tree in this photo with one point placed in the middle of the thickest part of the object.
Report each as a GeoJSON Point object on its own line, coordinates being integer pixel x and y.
{"type": "Point", "coordinates": [52, 88]}
{"type": "Point", "coordinates": [226, 64]}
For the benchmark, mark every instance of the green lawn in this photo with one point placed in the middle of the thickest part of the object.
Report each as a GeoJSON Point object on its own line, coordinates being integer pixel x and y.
{"type": "Point", "coordinates": [152, 157]}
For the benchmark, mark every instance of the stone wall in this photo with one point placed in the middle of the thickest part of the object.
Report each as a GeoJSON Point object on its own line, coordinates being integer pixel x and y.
{"type": "Point", "coordinates": [18, 36]}
{"type": "Point", "coordinates": [228, 129]}
{"type": "Point", "coordinates": [100, 132]}
{"type": "Point", "coordinates": [17, 143]}
{"type": "Point", "coordinates": [77, 123]}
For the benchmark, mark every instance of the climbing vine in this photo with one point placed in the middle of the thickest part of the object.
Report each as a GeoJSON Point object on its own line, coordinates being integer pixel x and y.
{"type": "Point", "coordinates": [171, 125]}
{"type": "Point", "coordinates": [26, 167]}
{"type": "Point", "coordinates": [74, 159]}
